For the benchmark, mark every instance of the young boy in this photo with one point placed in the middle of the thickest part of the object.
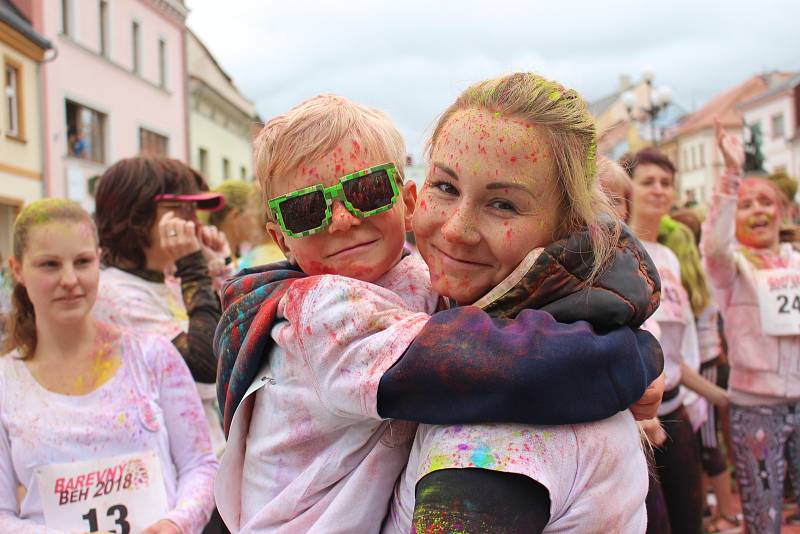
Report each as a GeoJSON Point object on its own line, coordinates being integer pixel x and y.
{"type": "Point", "coordinates": [317, 352]}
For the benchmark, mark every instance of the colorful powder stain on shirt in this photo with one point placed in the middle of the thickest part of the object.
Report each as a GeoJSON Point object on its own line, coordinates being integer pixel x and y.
{"type": "Point", "coordinates": [482, 457]}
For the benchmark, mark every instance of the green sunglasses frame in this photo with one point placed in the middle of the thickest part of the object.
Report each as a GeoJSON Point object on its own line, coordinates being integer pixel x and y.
{"type": "Point", "coordinates": [332, 193]}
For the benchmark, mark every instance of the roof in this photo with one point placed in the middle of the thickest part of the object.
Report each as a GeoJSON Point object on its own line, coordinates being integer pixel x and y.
{"type": "Point", "coordinates": [724, 105]}
{"type": "Point", "coordinates": [600, 105]}
{"type": "Point", "coordinates": [787, 85]}
{"type": "Point", "coordinates": [14, 18]}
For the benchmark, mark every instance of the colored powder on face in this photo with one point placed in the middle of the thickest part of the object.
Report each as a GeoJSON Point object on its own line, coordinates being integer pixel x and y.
{"type": "Point", "coordinates": [482, 457]}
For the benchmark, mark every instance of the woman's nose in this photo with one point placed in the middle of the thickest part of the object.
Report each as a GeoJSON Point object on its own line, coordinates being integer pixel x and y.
{"type": "Point", "coordinates": [461, 228]}
{"type": "Point", "coordinates": [68, 276]}
{"type": "Point", "coordinates": [341, 219]}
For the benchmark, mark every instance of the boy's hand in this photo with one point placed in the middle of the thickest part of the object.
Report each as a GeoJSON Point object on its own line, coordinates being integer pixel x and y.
{"type": "Point", "coordinates": [647, 406]}
{"type": "Point", "coordinates": [178, 236]}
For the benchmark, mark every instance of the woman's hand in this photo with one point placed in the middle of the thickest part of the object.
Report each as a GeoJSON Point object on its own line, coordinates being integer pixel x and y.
{"type": "Point", "coordinates": [165, 526]}
{"type": "Point", "coordinates": [214, 244]}
{"type": "Point", "coordinates": [178, 236]}
{"type": "Point", "coordinates": [718, 397]}
{"type": "Point", "coordinates": [647, 406]}
{"type": "Point", "coordinates": [654, 431]}
{"type": "Point", "coordinates": [732, 153]}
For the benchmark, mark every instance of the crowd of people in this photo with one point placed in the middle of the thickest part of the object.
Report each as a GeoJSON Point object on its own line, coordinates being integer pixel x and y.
{"type": "Point", "coordinates": [559, 351]}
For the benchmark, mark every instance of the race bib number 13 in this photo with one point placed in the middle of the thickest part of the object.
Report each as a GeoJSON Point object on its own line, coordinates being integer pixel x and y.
{"type": "Point", "coordinates": [779, 301]}
{"type": "Point", "coordinates": [124, 494]}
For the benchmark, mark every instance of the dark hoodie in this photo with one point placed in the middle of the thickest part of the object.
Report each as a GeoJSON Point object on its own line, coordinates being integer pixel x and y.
{"type": "Point", "coordinates": [521, 365]}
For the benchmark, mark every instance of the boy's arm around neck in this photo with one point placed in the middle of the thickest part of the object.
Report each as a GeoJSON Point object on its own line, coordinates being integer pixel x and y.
{"type": "Point", "coordinates": [515, 364]}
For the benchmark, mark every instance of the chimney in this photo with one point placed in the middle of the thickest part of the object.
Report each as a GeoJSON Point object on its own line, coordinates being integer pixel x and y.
{"type": "Point", "coordinates": [624, 82]}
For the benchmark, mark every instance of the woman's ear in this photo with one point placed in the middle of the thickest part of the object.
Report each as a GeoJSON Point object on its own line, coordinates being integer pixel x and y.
{"type": "Point", "coordinates": [410, 202]}
{"type": "Point", "coordinates": [16, 270]}
{"type": "Point", "coordinates": [277, 235]}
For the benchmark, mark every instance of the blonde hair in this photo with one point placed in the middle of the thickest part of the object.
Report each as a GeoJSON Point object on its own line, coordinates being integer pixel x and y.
{"type": "Point", "coordinates": [22, 324]}
{"type": "Point", "coordinates": [571, 132]}
{"type": "Point", "coordinates": [611, 175]}
{"type": "Point", "coordinates": [681, 240]}
{"type": "Point", "coordinates": [312, 130]}
{"type": "Point", "coordinates": [238, 195]}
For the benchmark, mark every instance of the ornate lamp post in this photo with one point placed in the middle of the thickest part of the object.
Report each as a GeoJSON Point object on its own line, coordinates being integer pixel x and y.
{"type": "Point", "coordinates": [658, 98]}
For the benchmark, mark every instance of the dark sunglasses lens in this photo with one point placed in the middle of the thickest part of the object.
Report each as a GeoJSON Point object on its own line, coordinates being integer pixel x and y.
{"type": "Point", "coordinates": [369, 192]}
{"type": "Point", "coordinates": [304, 212]}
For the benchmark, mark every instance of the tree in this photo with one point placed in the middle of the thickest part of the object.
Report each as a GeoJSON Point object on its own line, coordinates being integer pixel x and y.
{"type": "Point", "coordinates": [753, 158]}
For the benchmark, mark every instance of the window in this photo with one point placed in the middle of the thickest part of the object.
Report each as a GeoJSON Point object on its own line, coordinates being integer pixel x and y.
{"type": "Point", "coordinates": [694, 157]}
{"type": "Point", "coordinates": [66, 17]}
{"type": "Point", "coordinates": [702, 155]}
{"type": "Point", "coordinates": [135, 47]}
{"type": "Point", "coordinates": [13, 100]}
{"type": "Point", "coordinates": [226, 169]}
{"type": "Point", "coordinates": [202, 161]}
{"type": "Point", "coordinates": [103, 13]}
{"type": "Point", "coordinates": [86, 137]}
{"type": "Point", "coordinates": [162, 63]}
{"type": "Point", "coordinates": [152, 144]}
{"type": "Point", "coordinates": [243, 173]}
{"type": "Point", "coordinates": [777, 126]}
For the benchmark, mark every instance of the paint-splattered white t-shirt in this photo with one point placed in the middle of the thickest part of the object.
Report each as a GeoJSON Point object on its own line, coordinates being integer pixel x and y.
{"type": "Point", "coordinates": [307, 450]}
{"type": "Point", "coordinates": [150, 404]}
{"type": "Point", "coordinates": [129, 301]}
{"type": "Point", "coordinates": [595, 473]}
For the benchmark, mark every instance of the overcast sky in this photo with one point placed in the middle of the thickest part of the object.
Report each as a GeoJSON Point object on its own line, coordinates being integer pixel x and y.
{"type": "Point", "coordinates": [411, 58]}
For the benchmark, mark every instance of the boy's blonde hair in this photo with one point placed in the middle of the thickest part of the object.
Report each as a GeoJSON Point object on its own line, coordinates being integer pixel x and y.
{"type": "Point", "coordinates": [571, 131]}
{"type": "Point", "coordinates": [312, 130]}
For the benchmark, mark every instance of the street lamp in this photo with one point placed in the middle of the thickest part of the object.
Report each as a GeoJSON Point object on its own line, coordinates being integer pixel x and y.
{"type": "Point", "coordinates": [658, 98]}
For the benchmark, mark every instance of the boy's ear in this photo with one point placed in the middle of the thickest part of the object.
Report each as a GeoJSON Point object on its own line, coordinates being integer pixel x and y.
{"type": "Point", "coordinates": [410, 201]}
{"type": "Point", "coordinates": [274, 231]}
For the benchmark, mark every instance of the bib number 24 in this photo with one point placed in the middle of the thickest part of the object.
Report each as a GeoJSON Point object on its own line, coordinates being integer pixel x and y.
{"type": "Point", "coordinates": [787, 305]}
{"type": "Point", "coordinates": [119, 512]}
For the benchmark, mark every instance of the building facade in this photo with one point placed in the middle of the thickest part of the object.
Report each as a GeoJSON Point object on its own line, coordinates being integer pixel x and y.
{"type": "Point", "coordinates": [116, 87]}
{"type": "Point", "coordinates": [22, 51]}
{"type": "Point", "coordinates": [776, 113]}
{"type": "Point", "coordinates": [693, 141]}
{"type": "Point", "coordinates": [221, 119]}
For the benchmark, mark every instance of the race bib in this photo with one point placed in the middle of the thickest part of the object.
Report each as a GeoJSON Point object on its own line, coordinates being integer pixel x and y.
{"type": "Point", "coordinates": [673, 299]}
{"type": "Point", "coordinates": [779, 301]}
{"type": "Point", "coordinates": [124, 494]}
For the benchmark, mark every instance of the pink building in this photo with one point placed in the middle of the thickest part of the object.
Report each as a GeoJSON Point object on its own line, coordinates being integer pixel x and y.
{"type": "Point", "coordinates": [116, 88]}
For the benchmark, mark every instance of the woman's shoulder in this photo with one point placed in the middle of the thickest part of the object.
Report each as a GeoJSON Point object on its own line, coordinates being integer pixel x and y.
{"type": "Point", "coordinates": [147, 351]}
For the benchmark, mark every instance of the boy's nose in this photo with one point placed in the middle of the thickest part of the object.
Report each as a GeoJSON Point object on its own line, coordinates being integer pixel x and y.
{"type": "Point", "coordinates": [341, 219]}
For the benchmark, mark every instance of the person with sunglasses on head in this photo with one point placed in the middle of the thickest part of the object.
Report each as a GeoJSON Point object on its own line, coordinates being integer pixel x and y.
{"type": "Point", "coordinates": [160, 263]}
{"type": "Point", "coordinates": [101, 428]}
{"type": "Point", "coordinates": [319, 352]}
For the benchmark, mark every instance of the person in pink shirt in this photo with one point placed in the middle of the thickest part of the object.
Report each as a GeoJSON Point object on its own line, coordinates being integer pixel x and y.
{"type": "Point", "coordinates": [101, 429]}
{"type": "Point", "coordinates": [756, 283]}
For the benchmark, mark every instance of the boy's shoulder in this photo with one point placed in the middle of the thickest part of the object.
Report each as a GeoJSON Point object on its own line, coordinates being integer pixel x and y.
{"type": "Point", "coordinates": [405, 286]}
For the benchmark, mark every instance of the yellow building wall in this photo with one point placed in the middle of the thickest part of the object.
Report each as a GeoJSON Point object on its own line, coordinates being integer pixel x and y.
{"type": "Point", "coordinates": [219, 143]}
{"type": "Point", "coordinates": [21, 159]}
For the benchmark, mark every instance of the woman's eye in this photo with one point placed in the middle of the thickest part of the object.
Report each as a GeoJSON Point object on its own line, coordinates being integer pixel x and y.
{"type": "Point", "coordinates": [48, 264]}
{"type": "Point", "coordinates": [445, 187]}
{"type": "Point", "coordinates": [503, 205]}
{"type": "Point", "coordinates": [83, 261]}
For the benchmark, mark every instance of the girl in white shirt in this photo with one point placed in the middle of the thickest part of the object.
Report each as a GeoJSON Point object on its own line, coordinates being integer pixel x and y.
{"type": "Point", "coordinates": [99, 429]}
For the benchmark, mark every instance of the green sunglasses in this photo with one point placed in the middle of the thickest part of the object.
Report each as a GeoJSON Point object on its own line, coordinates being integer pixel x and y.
{"type": "Point", "coordinates": [364, 193]}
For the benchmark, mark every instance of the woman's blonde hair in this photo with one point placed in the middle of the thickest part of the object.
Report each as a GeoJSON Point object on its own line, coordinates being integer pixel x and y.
{"type": "Point", "coordinates": [22, 323]}
{"type": "Point", "coordinates": [681, 240]}
{"type": "Point", "coordinates": [571, 131]}
{"type": "Point", "coordinates": [312, 130]}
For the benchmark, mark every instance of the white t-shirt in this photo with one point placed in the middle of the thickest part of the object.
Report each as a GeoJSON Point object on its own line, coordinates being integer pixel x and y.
{"type": "Point", "coordinates": [150, 404]}
{"type": "Point", "coordinates": [675, 318]}
{"type": "Point", "coordinates": [129, 301]}
{"type": "Point", "coordinates": [596, 473]}
{"type": "Point", "coordinates": [307, 450]}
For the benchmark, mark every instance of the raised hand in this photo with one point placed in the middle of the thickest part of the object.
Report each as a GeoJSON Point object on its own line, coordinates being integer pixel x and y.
{"type": "Point", "coordinates": [214, 244]}
{"type": "Point", "coordinates": [178, 236]}
{"type": "Point", "coordinates": [731, 148]}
